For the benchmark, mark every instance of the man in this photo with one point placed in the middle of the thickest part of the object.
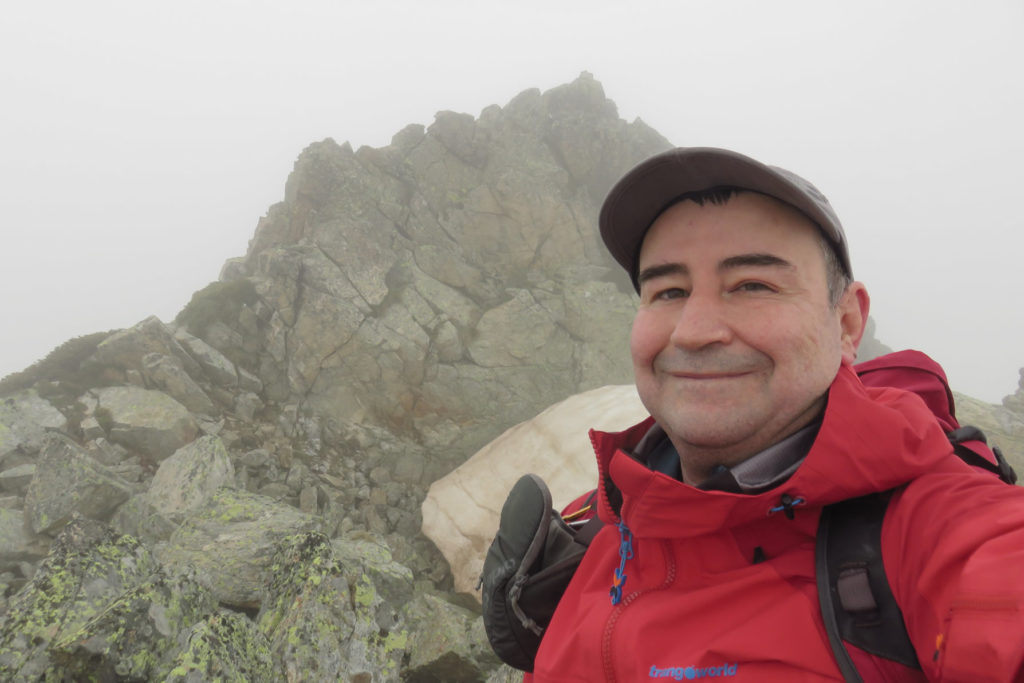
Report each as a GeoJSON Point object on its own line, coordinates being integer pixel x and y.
{"type": "Point", "coordinates": [746, 330]}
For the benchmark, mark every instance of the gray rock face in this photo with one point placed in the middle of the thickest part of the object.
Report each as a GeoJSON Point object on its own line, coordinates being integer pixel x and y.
{"type": "Point", "coordinates": [167, 374]}
{"type": "Point", "coordinates": [216, 366]}
{"type": "Point", "coordinates": [191, 476]}
{"type": "Point", "coordinates": [243, 529]}
{"type": "Point", "coordinates": [134, 636]}
{"type": "Point", "coordinates": [447, 642]}
{"type": "Point", "coordinates": [67, 481]}
{"type": "Point", "coordinates": [447, 283]}
{"type": "Point", "coordinates": [24, 419]}
{"type": "Point", "coordinates": [1003, 426]}
{"type": "Point", "coordinates": [318, 624]}
{"type": "Point", "coordinates": [224, 647]}
{"type": "Point", "coordinates": [16, 544]}
{"type": "Point", "coordinates": [1015, 401]}
{"type": "Point", "coordinates": [88, 566]}
{"type": "Point", "coordinates": [126, 349]}
{"type": "Point", "coordinates": [138, 517]}
{"type": "Point", "coordinates": [16, 479]}
{"type": "Point", "coordinates": [146, 421]}
{"type": "Point", "coordinates": [100, 607]}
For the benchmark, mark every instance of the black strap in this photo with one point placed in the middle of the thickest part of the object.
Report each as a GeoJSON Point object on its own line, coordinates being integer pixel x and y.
{"type": "Point", "coordinates": [586, 533]}
{"type": "Point", "coordinates": [1000, 467]}
{"type": "Point", "coordinates": [857, 604]}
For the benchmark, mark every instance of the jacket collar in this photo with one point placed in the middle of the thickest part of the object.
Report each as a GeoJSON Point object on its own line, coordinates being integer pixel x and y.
{"type": "Point", "coordinates": [869, 440]}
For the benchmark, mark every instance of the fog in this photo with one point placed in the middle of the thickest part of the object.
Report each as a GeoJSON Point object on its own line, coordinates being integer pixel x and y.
{"type": "Point", "coordinates": [142, 141]}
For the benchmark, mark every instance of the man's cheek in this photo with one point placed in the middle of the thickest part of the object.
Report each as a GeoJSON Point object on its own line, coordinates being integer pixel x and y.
{"type": "Point", "coordinates": [647, 338]}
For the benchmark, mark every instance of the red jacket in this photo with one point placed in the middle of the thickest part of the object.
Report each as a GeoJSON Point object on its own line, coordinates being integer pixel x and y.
{"type": "Point", "coordinates": [695, 604]}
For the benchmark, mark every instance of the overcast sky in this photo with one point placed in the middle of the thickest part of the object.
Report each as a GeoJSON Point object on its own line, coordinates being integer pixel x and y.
{"type": "Point", "coordinates": [140, 142]}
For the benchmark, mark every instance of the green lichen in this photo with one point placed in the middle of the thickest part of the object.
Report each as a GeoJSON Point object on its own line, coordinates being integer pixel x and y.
{"type": "Point", "coordinates": [88, 566]}
{"type": "Point", "coordinates": [224, 647]}
{"type": "Point", "coordinates": [396, 640]}
{"type": "Point", "coordinates": [125, 638]}
{"type": "Point", "coordinates": [364, 592]}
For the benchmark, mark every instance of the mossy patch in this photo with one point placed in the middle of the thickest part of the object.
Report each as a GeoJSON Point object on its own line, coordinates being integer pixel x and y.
{"type": "Point", "coordinates": [63, 364]}
{"type": "Point", "coordinates": [225, 647]}
{"type": "Point", "coordinates": [217, 301]}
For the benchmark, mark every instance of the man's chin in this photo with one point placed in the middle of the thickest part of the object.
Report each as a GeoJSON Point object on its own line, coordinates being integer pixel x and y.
{"type": "Point", "coordinates": [720, 425]}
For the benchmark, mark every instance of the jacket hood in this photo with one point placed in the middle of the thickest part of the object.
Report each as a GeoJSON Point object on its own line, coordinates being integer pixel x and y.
{"type": "Point", "coordinates": [845, 461]}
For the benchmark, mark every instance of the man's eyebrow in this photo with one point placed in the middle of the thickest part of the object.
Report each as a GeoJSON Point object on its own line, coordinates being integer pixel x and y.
{"type": "Point", "coordinates": [661, 270]}
{"type": "Point", "coordinates": [742, 260]}
{"type": "Point", "coordinates": [738, 261]}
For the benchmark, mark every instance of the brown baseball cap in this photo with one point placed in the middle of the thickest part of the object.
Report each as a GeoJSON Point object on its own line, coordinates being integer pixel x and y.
{"type": "Point", "coordinates": [655, 184]}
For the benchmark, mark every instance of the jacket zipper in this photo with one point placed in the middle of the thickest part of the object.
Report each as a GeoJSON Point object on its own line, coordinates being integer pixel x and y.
{"type": "Point", "coordinates": [606, 638]}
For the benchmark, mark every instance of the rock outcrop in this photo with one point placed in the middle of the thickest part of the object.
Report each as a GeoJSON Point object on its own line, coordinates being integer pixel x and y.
{"type": "Point", "coordinates": [1015, 401]}
{"type": "Point", "coordinates": [443, 284]}
{"type": "Point", "coordinates": [400, 308]}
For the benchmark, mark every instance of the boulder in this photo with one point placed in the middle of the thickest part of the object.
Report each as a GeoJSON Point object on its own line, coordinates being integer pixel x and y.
{"type": "Point", "coordinates": [136, 636]}
{"type": "Point", "coordinates": [247, 404]}
{"type": "Point", "coordinates": [310, 615]}
{"type": "Point", "coordinates": [377, 581]}
{"type": "Point", "coordinates": [16, 479]}
{"type": "Point", "coordinates": [92, 429]}
{"type": "Point", "coordinates": [167, 374]}
{"type": "Point", "coordinates": [224, 647]}
{"type": "Point", "coordinates": [150, 422]}
{"type": "Point", "coordinates": [216, 365]}
{"type": "Point", "coordinates": [138, 517]}
{"type": "Point", "coordinates": [24, 419]}
{"type": "Point", "coordinates": [461, 510]}
{"type": "Point", "coordinates": [1002, 426]}
{"type": "Point", "coordinates": [446, 642]}
{"type": "Point", "coordinates": [231, 540]}
{"type": "Point", "coordinates": [16, 544]}
{"type": "Point", "coordinates": [124, 350]}
{"type": "Point", "coordinates": [189, 478]}
{"type": "Point", "coordinates": [87, 567]}
{"type": "Point", "coordinates": [67, 482]}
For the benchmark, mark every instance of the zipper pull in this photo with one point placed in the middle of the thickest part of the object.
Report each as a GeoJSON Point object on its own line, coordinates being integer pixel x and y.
{"type": "Point", "coordinates": [625, 553]}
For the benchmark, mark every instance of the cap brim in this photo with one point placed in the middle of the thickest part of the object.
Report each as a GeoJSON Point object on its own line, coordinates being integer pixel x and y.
{"type": "Point", "coordinates": [647, 190]}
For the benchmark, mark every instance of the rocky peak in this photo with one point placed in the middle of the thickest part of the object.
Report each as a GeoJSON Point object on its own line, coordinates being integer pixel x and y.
{"type": "Point", "coordinates": [399, 308]}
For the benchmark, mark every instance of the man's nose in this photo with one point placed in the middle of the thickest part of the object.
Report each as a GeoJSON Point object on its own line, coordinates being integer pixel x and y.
{"type": "Point", "coordinates": [702, 320]}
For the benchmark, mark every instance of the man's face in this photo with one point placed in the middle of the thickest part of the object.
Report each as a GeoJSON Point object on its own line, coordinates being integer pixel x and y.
{"type": "Point", "coordinates": [735, 342]}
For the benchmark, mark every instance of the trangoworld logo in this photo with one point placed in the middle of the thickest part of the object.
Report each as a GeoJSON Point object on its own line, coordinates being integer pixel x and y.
{"type": "Point", "coordinates": [689, 673]}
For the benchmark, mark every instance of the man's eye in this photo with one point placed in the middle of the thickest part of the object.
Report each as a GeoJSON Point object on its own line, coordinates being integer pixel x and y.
{"type": "Point", "coordinates": [672, 293]}
{"type": "Point", "coordinates": [754, 287]}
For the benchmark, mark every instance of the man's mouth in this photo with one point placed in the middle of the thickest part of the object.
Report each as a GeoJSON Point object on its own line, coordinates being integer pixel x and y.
{"type": "Point", "coordinates": [708, 375]}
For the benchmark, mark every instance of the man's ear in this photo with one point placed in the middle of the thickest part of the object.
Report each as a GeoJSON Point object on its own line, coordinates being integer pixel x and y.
{"type": "Point", "coordinates": [853, 318]}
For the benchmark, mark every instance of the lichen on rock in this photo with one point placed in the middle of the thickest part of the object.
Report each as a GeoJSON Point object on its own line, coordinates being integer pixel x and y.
{"type": "Point", "coordinates": [88, 566]}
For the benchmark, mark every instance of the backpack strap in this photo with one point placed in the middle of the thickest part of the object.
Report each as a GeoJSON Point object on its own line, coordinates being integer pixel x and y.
{"type": "Point", "coordinates": [962, 437]}
{"type": "Point", "coordinates": [585, 534]}
{"type": "Point", "coordinates": [857, 604]}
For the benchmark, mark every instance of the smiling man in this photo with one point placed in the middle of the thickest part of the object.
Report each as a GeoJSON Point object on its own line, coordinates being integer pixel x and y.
{"type": "Point", "coordinates": [743, 347]}
{"type": "Point", "coordinates": [736, 339]}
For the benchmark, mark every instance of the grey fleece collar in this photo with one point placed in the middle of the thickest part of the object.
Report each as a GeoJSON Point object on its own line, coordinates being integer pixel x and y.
{"type": "Point", "coordinates": [762, 471]}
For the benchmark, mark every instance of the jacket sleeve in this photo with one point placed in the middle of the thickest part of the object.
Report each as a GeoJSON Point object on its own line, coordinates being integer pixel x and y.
{"type": "Point", "coordinates": [953, 546]}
